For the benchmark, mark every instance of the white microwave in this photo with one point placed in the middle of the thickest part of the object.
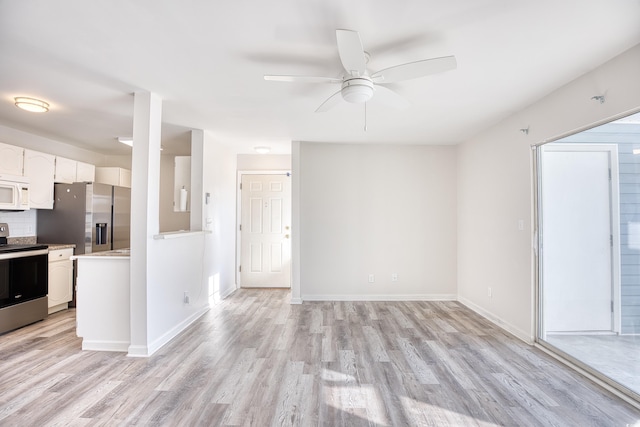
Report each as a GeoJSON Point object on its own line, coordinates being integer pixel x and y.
{"type": "Point", "coordinates": [14, 193]}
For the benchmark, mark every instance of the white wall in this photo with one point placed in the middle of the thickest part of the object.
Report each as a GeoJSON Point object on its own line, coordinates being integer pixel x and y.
{"type": "Point", "coordinates": [219, 216]}
{"type": "Point", "coordinates": [175, 266]}
{"type": "Point", "coordinates": [375, 209]}
{"type": "Point", "coordinates": [117, 161]}
{"type": "Point", "coordinates": [203, 265]}
{"type": "Point", "coordinates": [495, 189]}
{"type": "Point", "coordinates": [274, 162]}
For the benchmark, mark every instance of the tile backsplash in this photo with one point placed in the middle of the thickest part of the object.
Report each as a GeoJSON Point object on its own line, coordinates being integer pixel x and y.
{"type": "Point", "coordinates": [21, 223]}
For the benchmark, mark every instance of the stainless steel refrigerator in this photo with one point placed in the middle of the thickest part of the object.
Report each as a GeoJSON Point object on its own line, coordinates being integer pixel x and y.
{"type": "Point", "coordinates": [95, 217]}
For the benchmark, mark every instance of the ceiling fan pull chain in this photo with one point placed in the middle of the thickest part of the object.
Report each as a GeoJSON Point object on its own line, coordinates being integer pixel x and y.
{"type": "Point", "coordinates": [365, 116]}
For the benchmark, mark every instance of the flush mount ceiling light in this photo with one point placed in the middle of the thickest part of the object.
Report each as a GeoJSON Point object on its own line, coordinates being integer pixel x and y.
{"type": "Point", "coordinates": [126, 140]}
{"type": "Point", "coordinates": [31, 104]}
{"type": "Point", "coordinates": [262, 150]}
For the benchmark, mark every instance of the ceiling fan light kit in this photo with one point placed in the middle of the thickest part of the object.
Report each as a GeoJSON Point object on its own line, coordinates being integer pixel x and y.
{"type": "Point", "coordinates": [357, 90]}
{"type": "Point", "coordinates": [358, 85]}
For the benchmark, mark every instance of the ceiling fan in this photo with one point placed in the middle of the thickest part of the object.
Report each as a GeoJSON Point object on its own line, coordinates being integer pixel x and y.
{"type": "Point", "coordinates": [358, 85]}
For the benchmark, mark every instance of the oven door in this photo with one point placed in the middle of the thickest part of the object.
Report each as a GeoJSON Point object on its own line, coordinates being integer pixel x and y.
{"type": "Point", "coordinates": [24, 276]}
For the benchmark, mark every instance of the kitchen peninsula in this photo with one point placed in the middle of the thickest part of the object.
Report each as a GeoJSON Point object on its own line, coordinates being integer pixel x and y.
{"type": "Point", "coordinates": [103, 315]}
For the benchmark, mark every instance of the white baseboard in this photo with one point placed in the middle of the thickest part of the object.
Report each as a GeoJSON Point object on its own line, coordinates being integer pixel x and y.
{"type": "Point", "coordinates": [138, 351]}
{"type": "Point", "coordinates": [228, 292]}
{"type": "Point", "coordinates": [121, 346]}
{"type": "Point", "coordinates": [146, 351]}
{"type": "Point", "coordinates": [173, 332]}
{"type": "Point", "coordinates": [501, 323]}
{"type": "Point", "coordinates": [295, 301]}
{"type": "Point", "coordinates": [408, 297]}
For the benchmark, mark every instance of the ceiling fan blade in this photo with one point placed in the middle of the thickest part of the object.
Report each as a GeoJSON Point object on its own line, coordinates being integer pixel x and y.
{"type": "Point", "coordinates": [302, 79]}
{"type": "Point", "coordinates": [330, 102]}
{"type": "Point", "coordinates": [390, 98]}
{"type": "Point", "coordinates": [414, 70]}
{"type": "Point", "coordinates": [351, 52]}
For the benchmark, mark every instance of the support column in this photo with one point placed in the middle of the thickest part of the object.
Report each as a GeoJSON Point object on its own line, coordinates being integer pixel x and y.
{"type": "Point", "coordinates": [295, 223]}
{"type": "Point", "coordinates": [145, 207]}
{"type": "Point", "coordinates": [197, 168]}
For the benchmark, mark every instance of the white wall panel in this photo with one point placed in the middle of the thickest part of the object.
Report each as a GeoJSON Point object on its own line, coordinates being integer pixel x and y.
{"type": "Point", "coordinates": [372, 209]}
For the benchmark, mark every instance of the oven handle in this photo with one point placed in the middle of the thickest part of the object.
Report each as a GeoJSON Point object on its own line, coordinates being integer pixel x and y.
{"type": "Point", "coordinates": [12, 255]}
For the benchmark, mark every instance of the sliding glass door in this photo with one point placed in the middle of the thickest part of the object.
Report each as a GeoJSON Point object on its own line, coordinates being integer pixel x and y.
{"type": "Point", "coordinates": [588, 203]}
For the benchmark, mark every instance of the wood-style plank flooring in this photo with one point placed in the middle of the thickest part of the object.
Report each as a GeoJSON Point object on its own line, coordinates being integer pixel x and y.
{"type": "Point", "coordinates": [255, 360]}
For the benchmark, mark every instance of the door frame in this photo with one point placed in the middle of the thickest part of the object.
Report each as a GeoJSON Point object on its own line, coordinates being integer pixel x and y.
{"type": "Point", "coordinates": [239, 215]}
{"type": "Point", "coordinates": [614, 206]}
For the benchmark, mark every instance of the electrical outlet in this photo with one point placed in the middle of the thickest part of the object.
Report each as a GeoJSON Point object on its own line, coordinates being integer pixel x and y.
{"type": "Point", "coordinates": [372, 278]}
{"type": "Point", "coordinates": [489, 292]}
{"type": "Point", "coordinates": [186, 298]}
{"type": "Point", "coordinates": [394, 277]}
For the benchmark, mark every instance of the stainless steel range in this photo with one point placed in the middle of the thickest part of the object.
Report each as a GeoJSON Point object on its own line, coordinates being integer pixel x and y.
{"type": "Point", "coordinates": [24, 283]}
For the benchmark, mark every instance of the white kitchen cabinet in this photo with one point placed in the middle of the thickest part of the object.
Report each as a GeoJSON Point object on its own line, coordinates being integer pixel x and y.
{"type": "Point", "coordinates": [11, 159]}
{"type": "Point", "coordinates": [65, 170]}
{"type": "Point", "coordinates": [60, 279]}
{"type": "Point", "coordinates": [40, 169]}
{"type": "Point", "coordinates": [85, 172]}
{"type": "Point", "coordinates": [114, 176]}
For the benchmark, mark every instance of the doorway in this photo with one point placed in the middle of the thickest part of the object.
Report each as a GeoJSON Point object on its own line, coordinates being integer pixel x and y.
{"type": "Point", "coordinates": [578, 239]}
{"type": "Point", "coordinates": [264, 231]}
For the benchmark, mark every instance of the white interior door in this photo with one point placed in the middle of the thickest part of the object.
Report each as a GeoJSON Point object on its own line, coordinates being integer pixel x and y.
{"type": "Point", "coordinates": [265, 231]}
{"type": "Point", "coordinates": [577, 238]}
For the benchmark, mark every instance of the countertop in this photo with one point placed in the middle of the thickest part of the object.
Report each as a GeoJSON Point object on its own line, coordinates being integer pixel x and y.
{"type": "Point", "coordinates": [32, 240]}
{"type": "Point", "coordinates": [116, 253]}
{"type": "Point", "coordinates": [56, 246]}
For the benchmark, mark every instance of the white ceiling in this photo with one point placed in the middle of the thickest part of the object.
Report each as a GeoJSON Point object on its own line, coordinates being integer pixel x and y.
{"type": "Point", "coordinates": [206, 60]}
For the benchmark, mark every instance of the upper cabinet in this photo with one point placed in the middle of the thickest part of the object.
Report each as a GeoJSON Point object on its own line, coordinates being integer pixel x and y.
{"type": "Point", "coordinates": [69, 171]}
{"type": "Point", "coordinates": [11, 159]}
{"type": "Point", "coordinates": [44, 169]}
{"type": "Point", "coordinates": [40, 169]}
{"type": "Point", "coordinates": [114, 176]}
{"type": "Point", "coordinates": [65, 170]}
{"type": "Point", "coordinates": [85, 172]}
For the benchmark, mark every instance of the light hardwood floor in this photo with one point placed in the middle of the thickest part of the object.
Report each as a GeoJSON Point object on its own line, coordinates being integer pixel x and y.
{"type": "Point", "coordinates": [256, 360]}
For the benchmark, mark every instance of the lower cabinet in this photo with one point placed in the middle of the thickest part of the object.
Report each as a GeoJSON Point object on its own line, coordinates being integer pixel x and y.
{"type": "Point", "coordinates": [60, 279]}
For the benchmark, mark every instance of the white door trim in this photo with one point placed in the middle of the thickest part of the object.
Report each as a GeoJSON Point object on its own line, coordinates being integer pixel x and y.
{"type": "Point", "coordinates": [612, 149]}
{"type": "Point", "coordinates": [239, 213]}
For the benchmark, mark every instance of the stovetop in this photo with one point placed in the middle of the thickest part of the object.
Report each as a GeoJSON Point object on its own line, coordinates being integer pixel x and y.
{"type": "Point", "coordinates": [8, 247]}
{"type": "Point", "coordinates": [20, 248]}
